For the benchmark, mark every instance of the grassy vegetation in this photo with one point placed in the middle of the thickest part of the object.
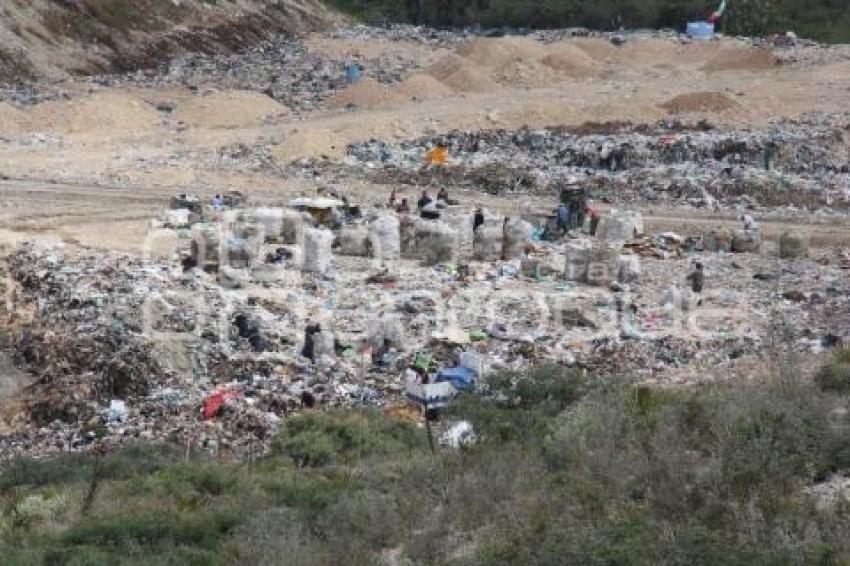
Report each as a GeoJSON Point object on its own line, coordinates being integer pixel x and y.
{"type": "Point", "coordinates": [124, 15]}
{"type": "Point", "coordinates": [835, 376]}
{"type": "Point", "coordinates": [828, 20]}
{"type": "Point", "coordinates": [14, 67]}
{"type": "Point", "coordinates": [566, 469]}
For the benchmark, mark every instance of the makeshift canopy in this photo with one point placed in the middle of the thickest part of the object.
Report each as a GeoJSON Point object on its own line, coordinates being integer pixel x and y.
{"type": "Point", "coordinates": [432, 395]}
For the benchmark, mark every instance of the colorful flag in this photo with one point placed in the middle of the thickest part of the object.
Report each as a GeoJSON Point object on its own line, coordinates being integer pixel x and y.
{"type": "Point", "coordinates": [718, 13]}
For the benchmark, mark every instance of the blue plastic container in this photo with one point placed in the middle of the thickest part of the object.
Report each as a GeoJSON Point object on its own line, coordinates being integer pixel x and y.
{"type": "Point", "coordinates": [352, 73]}
{"type": "Point", "coordinates": [700, 30]}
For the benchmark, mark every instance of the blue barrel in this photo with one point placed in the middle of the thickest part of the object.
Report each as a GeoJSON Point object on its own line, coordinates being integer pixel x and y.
{"type": "Point", "coordinates": [700, 30]}
{"type": "Point", "coordinates": [352, 72]}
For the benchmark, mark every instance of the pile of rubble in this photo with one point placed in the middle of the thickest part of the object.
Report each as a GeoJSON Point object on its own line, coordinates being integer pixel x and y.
{"type": "Point", "coordinates": [417, 35]}
{"type": "Point", "coordinates": [801, 163]}
{"type": "Point", "coordinates": [283, 69]}
{"type": "Point", "coordinates": [216, 351]}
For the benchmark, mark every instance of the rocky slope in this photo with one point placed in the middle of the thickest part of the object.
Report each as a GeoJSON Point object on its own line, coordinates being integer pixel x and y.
{"type": "Point", "coordinates": [56, 38]}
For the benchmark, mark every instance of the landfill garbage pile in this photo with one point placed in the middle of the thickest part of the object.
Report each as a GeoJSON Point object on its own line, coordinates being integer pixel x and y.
{"type": "Point", "coordinates": [246, 325]}
{"type": "Point", "coordinates": [100, 329]}
{"type": "Point", "coordinates": [417, 35]}
{"type": "Point", "coordinates": [240, 157]}
{"type": "Point", "coordinates": [72, 325]}
{"type": "Point", "coordinates": [283, 69]}
{"type": "Point", "coordinates": [125, 348]}
{"type": "Point", "coordinates": [799, 163]}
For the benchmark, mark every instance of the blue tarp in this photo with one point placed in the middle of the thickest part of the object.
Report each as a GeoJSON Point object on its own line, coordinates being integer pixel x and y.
{"type": "Point", "coordinates": [462, 379]}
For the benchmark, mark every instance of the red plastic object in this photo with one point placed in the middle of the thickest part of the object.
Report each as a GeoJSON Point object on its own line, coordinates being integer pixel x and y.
{"type": "Point", "coordinates": [214, 403]}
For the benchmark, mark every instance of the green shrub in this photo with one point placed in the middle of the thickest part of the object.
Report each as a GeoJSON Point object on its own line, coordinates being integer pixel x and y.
{"type": "Point", "coordinates": [62, 469]}
{"type": "Point", "coordinates": [130, 461]}
{"type": "Point", "coordinates": [822, 19]}
{"type": "Point", "coordinates": [22, 556]}
{"type": "Point", "coordinates": [307, 490]}
{"type": "Point", "coordinates": [520, 406]}
{"type": "Point", "coordinates": [549, 387]}
{"type": "Point", "coordinates": [835, 376]}
{"type": "Point", "coordinates": [94, 556]}
{"type": "Point", "coordinates": [275, 536]}
{"type": "Point", "coordinates": [753, 17]}
{"type": "Point", "coordinates": [603, 472]}
{"type": "Point", "coordinates": [15, 66]}
{"type": "Point", "coordinates": [138, 459]}
{"type": "Point", "coordinates": [207, 478]}
{"type": "Point", "coordinates": [318, 439]}
{"type": "Point", "coordinates": [154, 528]}
{"type": "Point", "coordinates": [359, 522]}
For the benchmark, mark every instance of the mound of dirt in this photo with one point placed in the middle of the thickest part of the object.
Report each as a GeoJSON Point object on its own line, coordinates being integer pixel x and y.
{"type": "Point", "coordinates": [13, 122]}
{"type": "Point", "coordinates": [310, 142]}
{"type": "Point", "coordinates": [599, 50]}
{"type": "Point", "coordinates": [460, 74]}
{"type": "Point", "coordinates": [528, 74]}
{"type": "Point", "coordinates": [498, 52]}
{"type": "Point", "coordinates": [365, 93]}
{"type": "Point", "coordinates": [105, 112]}
{"type": "Point", "coordinates": [422, 86]}
{"type": "Point", "coordinates": [229, 109]}
{"type": "Point", "coordinates": [570, 64]}
{"type": "Point", "coordinates": [516, 61]}
{"type": "Point", "coordinates": [741, 59]}
{"type": "Point", "coordinates": [647, 53]}
{"type": "Point", "coordinates": [699, 102]}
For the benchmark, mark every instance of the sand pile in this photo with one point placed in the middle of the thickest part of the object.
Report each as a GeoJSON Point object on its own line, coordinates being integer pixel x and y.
{"type": "Point", "coordinates": [112, 113]}
{"type": "Point", "coordinates": [599, 50]}
{"type": "Point", "coordinates": [699, 102]}
{"type": "Point", "coordinates": [528, 74]}
{"type": "Point", "coordinates": [520, 62]}
{"type": "Point", "coordinates": [422, 86]}
{"type": "Point", "coordinates": [461, 74]}
{"type": "Point", "coordinates": [498, 52]}
{"type": "Point", "coordinates": [567, 58]}
{"type": "Point", "coordinates": [365, 93]}
{"type": "Point", "coordinates": [481, 65]}
{"type": "Point", "coordinates": [741, 59]}
{"type": "Point", "coordinates": [651, 52]}
{"type": "Point", "coordinates": [13, 122]}
{"type": "Point", "coordinates": [310, 142]}
{"type": "Point", "coordinates": [230, 109]}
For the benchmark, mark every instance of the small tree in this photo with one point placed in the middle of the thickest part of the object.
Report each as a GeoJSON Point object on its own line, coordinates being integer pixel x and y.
{"type": "Point", "coordinates": [752, 17]}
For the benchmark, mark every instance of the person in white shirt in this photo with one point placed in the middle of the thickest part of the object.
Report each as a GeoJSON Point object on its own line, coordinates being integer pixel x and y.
{"type": "Point", "coordinates": [749, 222]}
